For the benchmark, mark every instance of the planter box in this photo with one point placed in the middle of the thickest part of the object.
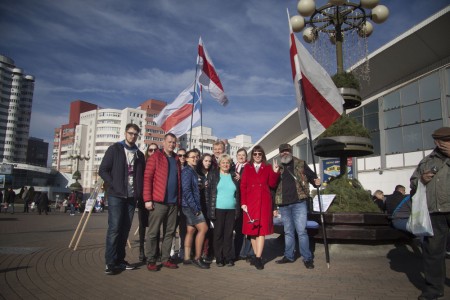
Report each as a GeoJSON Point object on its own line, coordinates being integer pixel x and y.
{"type": "Point", "coordinates": [351, 96]}
{"type": "Point", "coordinates": [343, 146]}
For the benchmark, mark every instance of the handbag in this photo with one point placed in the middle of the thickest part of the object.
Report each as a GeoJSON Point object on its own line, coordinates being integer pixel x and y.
{"type": "Point", "coordinates": [419, 222]}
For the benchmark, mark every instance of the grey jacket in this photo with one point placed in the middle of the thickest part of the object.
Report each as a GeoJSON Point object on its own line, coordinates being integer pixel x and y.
{"type": "Point", "coordinates": [438, 189]}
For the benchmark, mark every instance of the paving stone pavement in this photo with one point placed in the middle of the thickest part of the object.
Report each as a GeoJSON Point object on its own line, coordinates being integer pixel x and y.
{"type": "Point", "coordinates": [36, 263]}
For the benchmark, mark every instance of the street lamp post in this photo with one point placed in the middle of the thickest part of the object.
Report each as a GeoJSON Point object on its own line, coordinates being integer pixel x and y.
{"type": "Point", "coordinates": [76, 186]}
{"type": "Point", "coordinates": [335, 18]}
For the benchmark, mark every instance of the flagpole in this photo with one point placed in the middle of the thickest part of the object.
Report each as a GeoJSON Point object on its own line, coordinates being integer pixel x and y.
{"type": "Point", "coordinates": [201, 119]}
{"type": "Point", "coordinates": [324, 232]}
{"type": "Point", "coordinates": [193, 105]}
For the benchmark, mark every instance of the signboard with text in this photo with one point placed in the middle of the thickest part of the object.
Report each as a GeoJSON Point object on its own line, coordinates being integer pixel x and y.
{"type": "Point", "coordinates": [331, 168]}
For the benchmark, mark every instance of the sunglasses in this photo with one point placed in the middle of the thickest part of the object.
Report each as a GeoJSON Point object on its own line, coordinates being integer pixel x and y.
{"type": "Point", "coordinates": [257, 154]}
{"type": "Point", "coordinates": [151, 150]}
{"type": "Point", "coordinates": [181, 155]}
{"type": "Point", "coordinates": [194, 157]}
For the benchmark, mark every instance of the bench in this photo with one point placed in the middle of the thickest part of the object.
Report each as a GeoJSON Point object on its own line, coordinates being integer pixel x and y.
{"type": "Point", "coordinates": [353, 226]}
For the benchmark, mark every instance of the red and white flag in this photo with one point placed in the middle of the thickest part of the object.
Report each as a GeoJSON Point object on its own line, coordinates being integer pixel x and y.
{"type": "Point", "coordinates": [313, 87]}
{"type": "Point", "coordinates": [208, 77]}
{"type": "Point", "coordinates": [177, 117]}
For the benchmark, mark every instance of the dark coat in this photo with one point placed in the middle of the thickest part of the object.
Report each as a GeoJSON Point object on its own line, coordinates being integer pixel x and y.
{"type": "Point", "coordinates": [113, 170]}
{"type": "Point", "coordinates": [190, 190]}
{"type": "Point", "coordinates": [10, 196]}
{"type": "Point", "coordinates": [211, 194]}
{"type": "Point", "coordinates": [43, 201]}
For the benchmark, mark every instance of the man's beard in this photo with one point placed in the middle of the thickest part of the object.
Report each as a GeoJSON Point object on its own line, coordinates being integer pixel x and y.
{"type": "Point", "coordinates": [286, 159]}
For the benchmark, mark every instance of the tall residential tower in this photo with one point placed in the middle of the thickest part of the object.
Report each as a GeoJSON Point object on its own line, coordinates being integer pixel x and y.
{"type": "Point", "coordinates": [16, 98]}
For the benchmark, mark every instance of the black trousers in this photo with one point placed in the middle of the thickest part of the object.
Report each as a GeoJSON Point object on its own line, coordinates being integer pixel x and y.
{"type": "Point", "coordinates": [433, 250]}
{"type": "Point", "coordinates": [238, 236]}
{"type": "Point", "coordinates": [223, 234]}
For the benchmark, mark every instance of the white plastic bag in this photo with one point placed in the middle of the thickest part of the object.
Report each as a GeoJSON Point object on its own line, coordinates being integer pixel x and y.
{"type": "Point", "coordinates": [419, 222]}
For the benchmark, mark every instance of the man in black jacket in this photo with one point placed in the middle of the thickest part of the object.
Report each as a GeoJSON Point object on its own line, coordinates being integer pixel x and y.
{"type": "Point", "coordinates": [122, 169]}
{"type": "Point", "coordinates": [399, 214]}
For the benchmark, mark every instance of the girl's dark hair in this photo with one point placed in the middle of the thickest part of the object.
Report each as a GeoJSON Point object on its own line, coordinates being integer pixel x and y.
{"type": "Point", "coordinates": [258, 148]}
{"type": "Point", "coordinates": [200, 167]}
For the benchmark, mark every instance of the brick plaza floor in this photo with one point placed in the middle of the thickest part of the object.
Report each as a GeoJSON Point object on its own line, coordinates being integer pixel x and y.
{"type": "Point", "coordinates": [36, 263]}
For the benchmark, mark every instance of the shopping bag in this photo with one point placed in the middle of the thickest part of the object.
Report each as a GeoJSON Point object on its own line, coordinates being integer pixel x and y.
{"type": "Point", "coordinates": [419, 222]}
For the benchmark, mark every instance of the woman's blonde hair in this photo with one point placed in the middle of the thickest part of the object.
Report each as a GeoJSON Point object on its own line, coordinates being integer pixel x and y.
{"type": "Point", "coordinates": [224, 156]}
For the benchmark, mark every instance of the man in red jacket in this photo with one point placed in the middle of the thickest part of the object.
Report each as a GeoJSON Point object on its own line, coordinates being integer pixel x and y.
{"type": "Point", "coordinates": [162, 196]}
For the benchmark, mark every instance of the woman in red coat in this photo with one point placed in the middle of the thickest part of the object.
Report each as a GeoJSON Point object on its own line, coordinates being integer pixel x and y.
{"type": "Point", "coordinates": [257, 180]}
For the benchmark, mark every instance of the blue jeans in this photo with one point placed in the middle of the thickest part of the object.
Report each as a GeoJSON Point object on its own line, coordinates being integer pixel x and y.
{"type": "Point", "coordinates": [120, 217]}
{"type": "Point", "coordinates": [294, 218]}
{"type": "Point", "coordinates": [400, 224]}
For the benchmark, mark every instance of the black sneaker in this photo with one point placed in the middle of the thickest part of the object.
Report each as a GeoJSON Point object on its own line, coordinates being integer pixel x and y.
{"type": "Point", "coordinates": [200, 264]}
{"type": "Point", "coordinates": [110, 270]}
{"type": "Point", "coordinates": [126, 266]}
{"type": "Point", "coordinates": [309, 264]}
{"type": "Point", "coordinates": [207, 259]}
{"type": "Point", "coordinates": [284, 260]}
{"type": "Point", "coordinates": [230, 263]}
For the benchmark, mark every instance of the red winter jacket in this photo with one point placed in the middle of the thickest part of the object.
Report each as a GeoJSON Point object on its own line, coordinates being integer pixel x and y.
{"type": "Point", "coordinates": [155, 177]}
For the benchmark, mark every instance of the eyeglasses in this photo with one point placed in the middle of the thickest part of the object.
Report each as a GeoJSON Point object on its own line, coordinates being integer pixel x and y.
{"type": "Point", "coordinates": [257, 154]}
{"type": "Point", "coordinates": [181, 155]}
{"type": "Point", "coordinates": [133, 133]}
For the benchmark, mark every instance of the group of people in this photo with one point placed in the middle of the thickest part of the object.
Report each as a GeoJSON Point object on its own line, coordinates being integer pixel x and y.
{"type": "Point", "coordinates": [29, 197]}
{"type": "Point", "coordinates": [215, 203]}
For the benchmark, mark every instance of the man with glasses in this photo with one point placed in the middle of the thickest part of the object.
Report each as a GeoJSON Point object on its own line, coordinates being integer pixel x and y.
{"type": "Point", "coordinates": [162, 196]}
{"type": "Point", "coordinates": [122, 170]}
{"type": "Point", "coordinates": [291, 197]}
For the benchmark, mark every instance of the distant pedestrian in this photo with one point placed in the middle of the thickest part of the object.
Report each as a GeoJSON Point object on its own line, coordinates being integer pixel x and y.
{"type": "Point", "coordinates": [10, 199]}
{"type": "Point", "coordinates": [122, 169]}
{"type": "Point", "coordinates": [43, 203]}
{"type": "Point", "coordinates": [73, 202]}
{"type": "Point", "coordinates": [24, 197]}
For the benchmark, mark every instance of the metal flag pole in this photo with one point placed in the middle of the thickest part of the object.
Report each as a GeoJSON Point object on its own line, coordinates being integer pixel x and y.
{"type": "Point", "coordinates": [324, 232]}
{"type": "Point", "coordinates": [193, 99]}
{"type": "Point", "coordinates": [201, 118]}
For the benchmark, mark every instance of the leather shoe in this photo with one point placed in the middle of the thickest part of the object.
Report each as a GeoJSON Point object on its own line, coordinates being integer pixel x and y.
{"type": "Point", "coordinates": [200, 264]}
{"type": "Point", "coordinates": [230, 263]}
{"type": "Point", "coordinates": [438, 297]}
{"type": "Point", "coordinates": [309, 264]}
{"type": "Point", "coordinates": [284, 260]}
{"type": "Point", "coordinates": [258, 263]}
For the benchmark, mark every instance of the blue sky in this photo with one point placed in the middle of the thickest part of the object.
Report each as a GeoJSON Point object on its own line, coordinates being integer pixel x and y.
{"type": "Point", "coordinates": [119, 53]}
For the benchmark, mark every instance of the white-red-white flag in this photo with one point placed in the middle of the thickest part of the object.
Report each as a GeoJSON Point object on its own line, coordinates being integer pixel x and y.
{"type": "Point", "coordinates": [177, 117]}
{"type": "Point", "coordinates": [314, 88]}
{"type": "Point", "coordinates": [208, 77]}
